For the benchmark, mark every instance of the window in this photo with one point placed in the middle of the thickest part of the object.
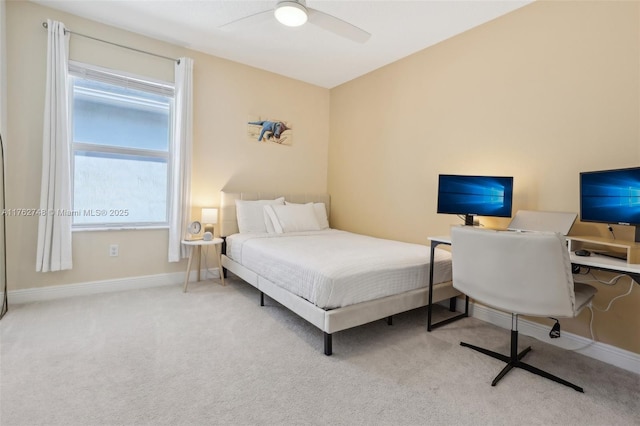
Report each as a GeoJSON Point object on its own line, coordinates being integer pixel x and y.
{"type": "Point", "coordinates": [121, 127]}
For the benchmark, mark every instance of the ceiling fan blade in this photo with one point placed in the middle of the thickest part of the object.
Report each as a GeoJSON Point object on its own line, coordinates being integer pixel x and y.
{"type": "Point", "coordinates": [248, 20]}
{"type": "Point", "coordinates": [337, 26]}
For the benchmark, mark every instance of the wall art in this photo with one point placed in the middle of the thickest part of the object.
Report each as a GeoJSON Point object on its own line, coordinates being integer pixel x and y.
{"type": "Point", "coordinates": [269, 130]}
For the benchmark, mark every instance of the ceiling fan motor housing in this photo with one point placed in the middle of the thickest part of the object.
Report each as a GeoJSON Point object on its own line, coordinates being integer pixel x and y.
{"type": "Point", "coordinates": [291, 13]}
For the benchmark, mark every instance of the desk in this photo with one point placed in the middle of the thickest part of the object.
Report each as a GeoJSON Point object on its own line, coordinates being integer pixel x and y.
{"type": "Point", "coordinates": [595, 261]}
{"type": "Point", "coordinates": [607, 263]}
{"type": "Point", "coordinates": [436, 241]}
{"type": "Point", "coordinates": [196, 246]}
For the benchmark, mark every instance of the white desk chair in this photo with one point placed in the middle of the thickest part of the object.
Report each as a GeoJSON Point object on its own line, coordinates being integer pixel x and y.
{"type": "Point", "coordinates": [524, 273]}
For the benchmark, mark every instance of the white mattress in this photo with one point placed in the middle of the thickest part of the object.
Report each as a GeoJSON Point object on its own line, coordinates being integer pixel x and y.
{"type": "Point", "coordinates": [334, 268]}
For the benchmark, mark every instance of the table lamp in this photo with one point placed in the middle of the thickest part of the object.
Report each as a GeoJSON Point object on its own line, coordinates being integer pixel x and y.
{"type": "Point", "coordinates": [209, 218]}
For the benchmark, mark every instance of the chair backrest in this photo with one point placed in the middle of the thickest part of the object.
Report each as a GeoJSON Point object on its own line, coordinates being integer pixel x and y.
{"type": "Point", "coordinates": [533, 220]}
{"type": "Point", "coordinates": [525, 273]}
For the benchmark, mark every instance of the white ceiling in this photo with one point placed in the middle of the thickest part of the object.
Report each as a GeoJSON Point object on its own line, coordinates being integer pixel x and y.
{"type": "Point", "coordinates": [309, 53]}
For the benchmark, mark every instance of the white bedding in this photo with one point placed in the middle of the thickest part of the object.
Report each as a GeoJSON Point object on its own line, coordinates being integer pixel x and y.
{"type": "Point", "coordinates": [332, 268]}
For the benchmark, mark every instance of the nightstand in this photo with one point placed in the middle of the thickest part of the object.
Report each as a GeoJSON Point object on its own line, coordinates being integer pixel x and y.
{"type": "Point", "coordinates": [196, 246]}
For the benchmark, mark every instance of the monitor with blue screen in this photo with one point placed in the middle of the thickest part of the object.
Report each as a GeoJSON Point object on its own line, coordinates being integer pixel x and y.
{"type": "Point", "coordinates": [470, 196]}
{"type": "Point", "coordinates": [612, 197]}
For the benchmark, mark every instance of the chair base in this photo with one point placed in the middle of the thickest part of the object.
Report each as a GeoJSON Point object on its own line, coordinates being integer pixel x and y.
{"type": "Point", "coordinates": [513, 361]}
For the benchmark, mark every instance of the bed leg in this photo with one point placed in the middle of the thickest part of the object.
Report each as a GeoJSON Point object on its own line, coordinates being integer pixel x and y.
{"type": "Point", "coordinates": [261, 299]}
{"type": "Point", "coordinates": [390, 320]}
{"type": "Point", "coordinates": [328, 350]}
{"type": "Point", "coordinates": [223, 250]}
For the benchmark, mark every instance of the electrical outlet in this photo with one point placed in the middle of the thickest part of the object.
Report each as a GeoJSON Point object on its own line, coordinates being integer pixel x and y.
{"type": "Point", "coordinates": [113, 250]}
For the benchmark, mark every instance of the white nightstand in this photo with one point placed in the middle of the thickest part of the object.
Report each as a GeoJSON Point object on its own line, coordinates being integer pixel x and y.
{"type": "Point", "coordinates": [196, 246]}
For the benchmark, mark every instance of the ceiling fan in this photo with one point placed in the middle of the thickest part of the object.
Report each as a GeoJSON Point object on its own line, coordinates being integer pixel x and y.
{"type": "Point", "coordinates": [294, 13]}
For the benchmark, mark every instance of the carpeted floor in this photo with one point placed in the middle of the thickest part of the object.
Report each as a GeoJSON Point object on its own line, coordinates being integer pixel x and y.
{"type": "Point", "coordinates": [214, 356]}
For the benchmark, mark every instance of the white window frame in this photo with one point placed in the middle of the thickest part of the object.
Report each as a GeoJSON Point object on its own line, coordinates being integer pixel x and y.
{"type": "Point", "coordinates": [120, 78]}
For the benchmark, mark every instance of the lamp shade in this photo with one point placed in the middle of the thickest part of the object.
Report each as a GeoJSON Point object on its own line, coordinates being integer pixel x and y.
{"type": "Point", "coordinates": [291, 13]}
{"type": "Point", "coordinates": [209, 216]}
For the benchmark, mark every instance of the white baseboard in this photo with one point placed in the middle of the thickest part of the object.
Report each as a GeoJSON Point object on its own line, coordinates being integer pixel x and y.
{"type": "Point", "coordinates": [601, 351]}
{"type": "Point", "coordinates": [105, 286]}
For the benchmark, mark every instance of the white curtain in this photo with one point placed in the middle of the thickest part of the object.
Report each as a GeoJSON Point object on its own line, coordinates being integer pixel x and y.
{"type": "Point", "coordinates": [180, 209]}
{"type": "Point", "coordinates": [54, 227]}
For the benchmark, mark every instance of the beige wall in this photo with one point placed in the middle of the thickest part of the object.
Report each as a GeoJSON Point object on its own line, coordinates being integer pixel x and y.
{"type": "Point", "coordinates": [3, 121]}
{"type": "Point", "coordinates": [226, 93]}
{"type": "Point", "coordinates": [539, 94]}
{"type": "Point", "coordinates": [3, 65]}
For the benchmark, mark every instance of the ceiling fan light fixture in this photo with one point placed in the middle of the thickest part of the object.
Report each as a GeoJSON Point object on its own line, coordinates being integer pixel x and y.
{"type": "Point", "coordinates": [291, 13]}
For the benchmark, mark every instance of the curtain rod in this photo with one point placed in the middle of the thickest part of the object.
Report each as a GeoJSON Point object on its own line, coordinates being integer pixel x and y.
{"type": "Point", "coordinates": [66, 30]}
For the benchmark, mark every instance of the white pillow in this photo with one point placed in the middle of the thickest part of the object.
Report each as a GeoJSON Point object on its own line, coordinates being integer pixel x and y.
{"type": "Point", "coordinates": [321, 213]}
{"type": "Point", "coordinates": [295, 217]}
{"type": "Point", "coordinates": [271, 220]}
{"type": "Point", "coordinates": [250, 215]}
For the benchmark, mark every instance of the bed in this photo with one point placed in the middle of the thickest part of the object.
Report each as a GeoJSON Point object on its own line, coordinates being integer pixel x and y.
{"type": "Point", "coordinates": [334, 279]}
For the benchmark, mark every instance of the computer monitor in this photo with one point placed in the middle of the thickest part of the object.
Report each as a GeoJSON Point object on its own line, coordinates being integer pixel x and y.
{"type": "Point", "coordinates": [471, 196]}
{"type": "Point", "coordinates": [612, 197]}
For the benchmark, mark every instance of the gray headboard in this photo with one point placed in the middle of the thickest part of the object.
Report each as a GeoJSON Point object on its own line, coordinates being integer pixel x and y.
{"type": "Point", "coordinates": [228, 220]}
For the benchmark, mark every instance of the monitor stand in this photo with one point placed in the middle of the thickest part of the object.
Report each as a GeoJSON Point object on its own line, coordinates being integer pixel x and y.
{"type": "Point", "coordinates": [637, 234]}
{"type": "Point", "coordinates": [468, 221]}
